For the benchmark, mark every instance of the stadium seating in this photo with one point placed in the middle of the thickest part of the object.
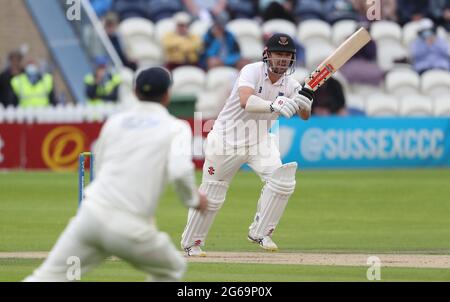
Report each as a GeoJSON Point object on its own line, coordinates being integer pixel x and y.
{"type": "Point", "coordinates": [311, 32]}
{"type": "Point", "coordinates": [162, 27]}
{"type": "Point", "coordinates": [316, 53]}
{"type": "Point", "coordinates": [142, 41]}
{"type": "Point", "coordinates": [343, 81]}
{"type": "Point", "coordinates": [130, 8]}
{"type": "Point", "coordinates": [435, 82]}
{"type": "Point", "coordinates": [300, 74]}
{"type": "Point", "coordinates": [382, 105]}
{"type": "Point", "coordinates": [249, 36]}
{"type": "Point", "coordinates": [220, 77]}
{"type": "Point", "coordinates": [388, 51]}
{"type": "Point", "coordinates": [188, 80]}
{"type": "Point", "coordinates": [415, 105]}
{"type": "Point", "coordinates": [441, 106]}
{"type": "Point", "coordinates": [355, 102]}
{"type": "Point", "coordinates": [402, 82]}
{"type": "Point", "coordinates": [365, 90]}
{"type": "Point", "coordinates": [126, 91]}
{"type": "Point", "coordinates": [138, 37]}
{"type": "Point", "coordinates": [410, 31]}
{"type": "Point", "coordinates": [279, 25]}
{"type": "Point", "coordinates": [199, 27]}
{"type": "Point", "coordinates": [219, 82]}
{"type": "Point", "coordinates": [384, 30]}
{"type": "Point", "coordinates": [341, 30]}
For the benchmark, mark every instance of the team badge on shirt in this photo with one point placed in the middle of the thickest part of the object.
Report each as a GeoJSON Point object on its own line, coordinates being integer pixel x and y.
{"type": "Point", "coordinates": [211, 171]}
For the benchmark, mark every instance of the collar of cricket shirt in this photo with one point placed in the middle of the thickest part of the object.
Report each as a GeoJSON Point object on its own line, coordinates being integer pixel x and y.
{"type": "Point", "coordinates": [280, 81]}
{"type": "Point", "coordinates": [151, 106]}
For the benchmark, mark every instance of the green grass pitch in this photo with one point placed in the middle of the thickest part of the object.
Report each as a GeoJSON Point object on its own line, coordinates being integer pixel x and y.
{"type": "Point", "coordinates": [348, 211]}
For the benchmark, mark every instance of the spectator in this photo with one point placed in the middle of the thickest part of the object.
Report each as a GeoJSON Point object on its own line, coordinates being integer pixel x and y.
{"type": "Point", "coordinates": [101, 7]}
{"type": "Point", "coordinates": [246, 9]}
{"type": "Point", "coordinates": [336, 10]}
{"type": "Point", "coordinates": [14, 68]}
{"type": "Point", "coordinates": [181, 47]}
{"type": "Point", "coordinates": [161, 9]}
{"type": "Point", "coordinates": [309, 9]}
{"type": "Point", "coordinates": [429, 51]}
{"type": "Point", "coordinates": [330, 99]}
{"type": "Point", "coordinates": [111, 25]}
{"type": "Point", "coordinates": [103, 85]}
{"type": "Point", "coordinates": [408, 10]}
{"type": "Point", "coordinates": [388, 9]}
{"type": "Point", "coordinates": [281, 9]}
{"type": "Point", "coordinates": [363, 67]}
{"type": "Point", "coordinates": [33, 88]}
{"type": "Point", "coordinates": [440, 12]}
{"type": "Point", "coordinates": [205, 9]}
{"type": "Point", "coordinates": [221, 47]}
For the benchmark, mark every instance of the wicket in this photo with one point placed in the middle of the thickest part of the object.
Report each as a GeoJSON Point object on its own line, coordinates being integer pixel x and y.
{"type": "Point", "coordinates": [81, 171]}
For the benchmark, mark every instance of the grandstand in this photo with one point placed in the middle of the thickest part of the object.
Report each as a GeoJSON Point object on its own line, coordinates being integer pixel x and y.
{"type": "Point", "coordinates": [70, 47]}
{"type": "Point", "coordinates": [142, 34]}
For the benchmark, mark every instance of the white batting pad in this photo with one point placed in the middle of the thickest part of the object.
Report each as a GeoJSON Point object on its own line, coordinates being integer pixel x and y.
{"type": "Point", "coordinates": [273, 200]}
{"type": "Point", "coordinates": [198, 223]}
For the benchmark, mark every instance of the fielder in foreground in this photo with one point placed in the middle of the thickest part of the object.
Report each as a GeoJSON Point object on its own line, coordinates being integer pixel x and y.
{"type": "Point", "coordinates": [137, 151]}
{"type": "Point", "coordinates": [240, 135]}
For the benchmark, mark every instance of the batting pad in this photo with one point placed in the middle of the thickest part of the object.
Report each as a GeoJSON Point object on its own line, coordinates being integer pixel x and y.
{"type": "Point", "coordinates": [273, 200]}
{"type": "Point", "coordinates": [198, 223]}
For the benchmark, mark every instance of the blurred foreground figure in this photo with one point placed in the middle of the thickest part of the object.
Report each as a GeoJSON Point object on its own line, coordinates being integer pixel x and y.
{"type": "Point", "coordinates": [137, 152]}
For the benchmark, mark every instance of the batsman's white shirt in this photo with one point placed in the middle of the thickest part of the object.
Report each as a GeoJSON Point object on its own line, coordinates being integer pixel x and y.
{"type": "Point", "coordinates": [236, 125]}
{"type": "Point", "coordinates": [137, 151]}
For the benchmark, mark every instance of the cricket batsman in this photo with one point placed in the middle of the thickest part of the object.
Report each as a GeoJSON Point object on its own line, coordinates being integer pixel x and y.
{"type": "Point", "coordinates": [262, 92]}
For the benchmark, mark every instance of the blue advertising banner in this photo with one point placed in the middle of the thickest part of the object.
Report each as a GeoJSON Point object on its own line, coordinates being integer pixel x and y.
{"type": "Point", "coordinates": [360, 142]}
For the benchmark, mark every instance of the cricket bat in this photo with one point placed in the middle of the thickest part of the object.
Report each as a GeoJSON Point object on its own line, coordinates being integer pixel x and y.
{"type": "Point", "coordinates": [338, 58]}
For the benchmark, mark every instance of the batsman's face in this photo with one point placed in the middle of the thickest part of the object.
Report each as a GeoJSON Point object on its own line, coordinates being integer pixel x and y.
{"type": "Point", "coordinates": [280, 61]}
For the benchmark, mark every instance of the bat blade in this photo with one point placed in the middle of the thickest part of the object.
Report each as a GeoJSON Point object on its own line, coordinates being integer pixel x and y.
{"type": "Point", "coordinates": [338, 58]}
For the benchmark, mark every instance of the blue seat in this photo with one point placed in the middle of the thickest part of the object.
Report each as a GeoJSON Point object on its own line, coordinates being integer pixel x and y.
{"type": "Point", "coordinates": [309, 9]}
{"type": "Point", "coordinates": [130, 8]}
{"type": "Point", "coordinates": [161, 9]}
{"type": "Point", "coordinates": [241, 9]}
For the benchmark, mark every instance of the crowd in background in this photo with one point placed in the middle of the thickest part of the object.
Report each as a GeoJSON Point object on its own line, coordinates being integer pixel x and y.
{"type": "Point", "coordinates": [24, 83]}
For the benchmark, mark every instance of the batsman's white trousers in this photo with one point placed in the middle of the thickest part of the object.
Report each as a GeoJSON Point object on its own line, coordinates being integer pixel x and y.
{"type": "Point", "coordinates": [225, 161]}
{"type": "Point", "coordinates": [221, 164]}
{"type": "Point", "coordinates": [97, 232]}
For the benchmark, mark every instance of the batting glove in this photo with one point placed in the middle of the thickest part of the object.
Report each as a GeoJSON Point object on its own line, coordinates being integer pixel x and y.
{"type": "Point", "coordinates": [284, 106]}
{"type": "Point", "coordinates": [304, 99]}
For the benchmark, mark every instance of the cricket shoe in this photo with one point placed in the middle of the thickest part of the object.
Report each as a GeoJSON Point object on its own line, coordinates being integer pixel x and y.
{"type": "Point", "coordinates": [266, 243]}
{"type": "Point", "coordinates": [194, 251]}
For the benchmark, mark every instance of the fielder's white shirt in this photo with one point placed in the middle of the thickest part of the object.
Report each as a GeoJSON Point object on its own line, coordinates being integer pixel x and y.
{"type": "Point", "coordinates": [138, 150]}
{"type": "Point", "coordinates": [241, 128]}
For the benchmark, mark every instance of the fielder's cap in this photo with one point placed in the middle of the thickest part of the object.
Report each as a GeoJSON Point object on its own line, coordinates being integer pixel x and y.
{"type": "Point", "coordinates": [182, 18]}
{"type": "Point", "coordinates": [153, 82]}
{"type": "Point", "coordinates": [281, 42]}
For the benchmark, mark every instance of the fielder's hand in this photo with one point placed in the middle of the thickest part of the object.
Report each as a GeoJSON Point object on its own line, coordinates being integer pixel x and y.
{"type": "Point", "coordinates": [284, 106]}
{"type": "Point", "coordinates": [304, 99]}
